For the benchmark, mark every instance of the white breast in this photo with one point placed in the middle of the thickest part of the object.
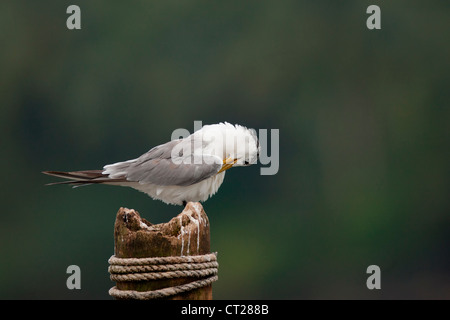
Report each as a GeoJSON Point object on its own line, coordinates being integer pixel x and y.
{"type": "Point", "coordinates": [177, 194]}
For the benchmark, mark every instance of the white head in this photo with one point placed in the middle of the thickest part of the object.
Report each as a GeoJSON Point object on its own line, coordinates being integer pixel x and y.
{"type": "Point", "coordinates": [234, 143]}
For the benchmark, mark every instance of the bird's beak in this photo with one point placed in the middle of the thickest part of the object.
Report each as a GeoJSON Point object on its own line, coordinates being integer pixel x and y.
{"type": "Point", "coordinates": [227, 164]}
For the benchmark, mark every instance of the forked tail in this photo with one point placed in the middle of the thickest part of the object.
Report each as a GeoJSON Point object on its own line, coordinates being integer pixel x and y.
{"type": "Point", "coordinates": [79, 178]}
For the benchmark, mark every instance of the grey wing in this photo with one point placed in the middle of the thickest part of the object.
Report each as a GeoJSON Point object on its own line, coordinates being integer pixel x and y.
{"type": "Point", "coordinates": [158, 167]}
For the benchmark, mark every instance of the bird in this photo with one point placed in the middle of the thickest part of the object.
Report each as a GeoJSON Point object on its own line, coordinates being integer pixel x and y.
{"type": "Point", "coordinates": [189, 169]}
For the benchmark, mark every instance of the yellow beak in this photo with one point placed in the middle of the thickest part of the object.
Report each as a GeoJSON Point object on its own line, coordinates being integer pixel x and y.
{"type": "Point", "coordinates": [227, 164]}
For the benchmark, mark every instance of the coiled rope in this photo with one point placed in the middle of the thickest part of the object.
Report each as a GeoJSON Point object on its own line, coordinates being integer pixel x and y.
{"type": "Point", "coordinates": [157, 268]}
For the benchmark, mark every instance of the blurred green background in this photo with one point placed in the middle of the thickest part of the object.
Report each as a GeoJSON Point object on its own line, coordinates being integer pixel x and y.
{"type": "Point", "coordinates": [364, 140]}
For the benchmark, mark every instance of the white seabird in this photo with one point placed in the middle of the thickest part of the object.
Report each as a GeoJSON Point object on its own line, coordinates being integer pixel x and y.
{"type": "Point", "coordinates": [179, 171]}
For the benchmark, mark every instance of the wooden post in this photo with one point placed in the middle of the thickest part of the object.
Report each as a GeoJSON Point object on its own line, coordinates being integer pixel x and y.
{"type": "Point", "coordinates": [185, 235]}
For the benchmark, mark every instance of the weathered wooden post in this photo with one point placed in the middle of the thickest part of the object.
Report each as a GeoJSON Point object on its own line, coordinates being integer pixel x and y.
{"type": "Point", "coordinates": [170, 260]}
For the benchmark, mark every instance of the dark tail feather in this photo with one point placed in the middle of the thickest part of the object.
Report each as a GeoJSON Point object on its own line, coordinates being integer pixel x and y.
{"type": "Point", "coordinates": [76, 175]}
{"type": "Point", "coordinates": [73, 183]}
{"type": "Point", "coordinates": [80, 178]}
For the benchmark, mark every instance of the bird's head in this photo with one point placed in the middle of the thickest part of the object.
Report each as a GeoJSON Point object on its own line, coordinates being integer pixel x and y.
{"type": "Point", "coordinates": [235, 144]}
{"type": "Point", "coordinates": [245, 151]}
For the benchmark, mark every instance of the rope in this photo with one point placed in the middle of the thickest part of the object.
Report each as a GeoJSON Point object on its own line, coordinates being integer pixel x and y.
{"type": "Point", "coordinates": [156, 268]}
{"type": "Point", "coordinates": [162, 293]}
